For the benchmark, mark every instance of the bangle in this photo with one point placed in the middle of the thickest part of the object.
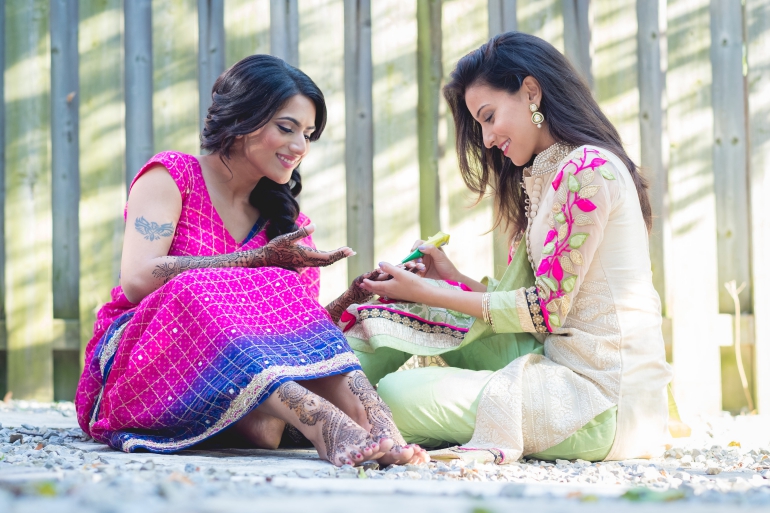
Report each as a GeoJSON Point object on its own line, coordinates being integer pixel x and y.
{"type": "Point", "coordinates": [486, 313]}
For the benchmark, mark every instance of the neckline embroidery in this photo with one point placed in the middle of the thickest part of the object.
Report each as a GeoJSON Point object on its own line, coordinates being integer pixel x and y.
{"type": "Point", "coordinates": [547, 160]}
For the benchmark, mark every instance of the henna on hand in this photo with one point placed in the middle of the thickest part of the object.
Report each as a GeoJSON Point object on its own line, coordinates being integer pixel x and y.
{"type": "Point", "coordinates": [377, 412]}
{"type": "Point", "coordinates": [279, 252]}
{"type": "Point", "coordinates": [341, 435]}
{"type": "Point", "coordinates": [354, 295]}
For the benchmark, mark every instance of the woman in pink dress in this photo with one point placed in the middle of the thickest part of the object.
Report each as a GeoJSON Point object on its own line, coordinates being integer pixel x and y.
{"type": "Point", "coordinates": [216, 323]}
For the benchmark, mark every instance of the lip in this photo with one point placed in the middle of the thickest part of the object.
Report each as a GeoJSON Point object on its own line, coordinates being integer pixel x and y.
{"type": "Point", "coordinates": [505, 146]}
{"type": "Point", "coordinates": [286, 161]}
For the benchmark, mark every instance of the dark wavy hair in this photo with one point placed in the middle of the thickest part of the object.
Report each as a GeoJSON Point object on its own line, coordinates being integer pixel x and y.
{"type": "Point", "coordinates": [572, 116]}
{"type": "Point", "coordinates": [244, 99]}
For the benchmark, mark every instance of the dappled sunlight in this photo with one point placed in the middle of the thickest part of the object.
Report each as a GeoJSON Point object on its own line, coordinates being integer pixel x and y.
{"type": "Point", "coordinates": [175, 65]}
{"type": "Point", "coordinates": [247, 29]}
{"type": "Point", "coordinates": [321, 55]}
{"type": "Point", "coordinates": [396, 168]}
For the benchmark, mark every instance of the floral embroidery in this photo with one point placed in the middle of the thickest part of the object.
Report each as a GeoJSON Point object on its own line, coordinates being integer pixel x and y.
{"type": "Point", "coordinates": [556, 274]}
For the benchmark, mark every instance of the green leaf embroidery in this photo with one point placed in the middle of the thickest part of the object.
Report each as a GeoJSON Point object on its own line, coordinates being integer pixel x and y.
{"type": "Point", "coordinates": [548, 248]}
{"type": "Point", "coordinates": [573, 183]}
{"type": "Point", "coordinates": [554, 320]}
{"type": "Point", "coordinates": [569, 284]}
{"type": "Point", "coordinates": [550, 282]}
{"type": "Point", "coordinates": [606, 173]}
{"type": "Point", "coordinates": [577, 240]}
{"type": "Point", "coordinates": [560, 217]}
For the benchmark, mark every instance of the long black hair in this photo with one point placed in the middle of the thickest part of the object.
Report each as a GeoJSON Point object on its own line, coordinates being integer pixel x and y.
{"type": "Point", "coordinates": [572, 116]}
{"type": "Point", "coordinates": [244, 99]}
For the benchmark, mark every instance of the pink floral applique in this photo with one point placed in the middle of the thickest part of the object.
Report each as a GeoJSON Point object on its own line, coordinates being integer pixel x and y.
{"type": "Point", "coordinates": [556, 274]}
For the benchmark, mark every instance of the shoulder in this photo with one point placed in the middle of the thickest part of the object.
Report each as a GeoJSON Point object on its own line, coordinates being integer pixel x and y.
{"type": "Point", "coordinates": [178, 165]}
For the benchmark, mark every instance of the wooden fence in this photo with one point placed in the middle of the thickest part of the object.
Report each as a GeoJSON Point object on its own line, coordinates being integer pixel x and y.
{"type": "Point", "coordinates": [93, 88]}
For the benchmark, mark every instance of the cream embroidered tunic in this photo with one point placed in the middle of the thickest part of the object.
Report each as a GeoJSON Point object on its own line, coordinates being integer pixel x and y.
{"type": "Point", "coordinates": [593, 306]}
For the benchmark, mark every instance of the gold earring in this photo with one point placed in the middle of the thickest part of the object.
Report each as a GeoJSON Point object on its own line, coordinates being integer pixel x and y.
{"type": "Point", "coordinates": [537, 117]}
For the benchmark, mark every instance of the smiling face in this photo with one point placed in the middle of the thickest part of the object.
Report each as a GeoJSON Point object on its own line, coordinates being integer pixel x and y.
{"type": "Point", "coordinates": [505, 119]}
{"type": "Point", "coordinates": [277, 148]}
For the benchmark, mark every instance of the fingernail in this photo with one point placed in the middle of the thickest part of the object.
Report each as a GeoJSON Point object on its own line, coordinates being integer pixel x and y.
{"type": "Point", "coordinates": [423, 247]}
{"type": "Point", "coordinates": [381, 264]}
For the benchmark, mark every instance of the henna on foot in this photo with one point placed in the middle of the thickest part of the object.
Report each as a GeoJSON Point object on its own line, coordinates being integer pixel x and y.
{"type": "Point", "coordinates": [336, 437]}
{"type": "Point", "coordinates": [384, 430]}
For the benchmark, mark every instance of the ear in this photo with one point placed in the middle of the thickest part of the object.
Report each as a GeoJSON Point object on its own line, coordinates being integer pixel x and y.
{"type": "Point", "coordinates": [531, 88]}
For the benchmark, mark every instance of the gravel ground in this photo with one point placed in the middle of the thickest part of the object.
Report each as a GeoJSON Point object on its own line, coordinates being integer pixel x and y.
{"type": "Point", "coordinates": [48, 464]}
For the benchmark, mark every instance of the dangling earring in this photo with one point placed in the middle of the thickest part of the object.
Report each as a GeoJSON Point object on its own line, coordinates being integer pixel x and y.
{"type": "Point", "coordinates": [537, 117]}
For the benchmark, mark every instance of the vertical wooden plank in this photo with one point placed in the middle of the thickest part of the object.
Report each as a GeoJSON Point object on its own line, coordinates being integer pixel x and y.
{"type": "Point", "coordinates": [730, 166]}
{"type": "Point", "coordinates": [247, 29]}
{"type": "Point", "coordinates": [102, 153]}
{"type": "Point", "coordinates": [577, 36]}
{"type": "Point", "coordinates": [502, 16]}
{"type": "Point", "coordinates": [175, 71]}
{"type": "Point", "coordinates": [758, 54]}
{"type": "Point", "coordinates": [284, 30]}
{"type": "Point", "coordinates": [429, 75]}
{"type": "Point", "coordinates": [138, 85]}
{"type": "Point", "coordinates": [397, 173]}
{"type": "Point", "coordinates": [28, 201]}
{"type": "Point", "coordinates": [544, 19]}
{"type": "Point", "coordinates": [3, 334]}
{"type": "Point", "coordinates": [65, 182]}
{"type": "Point", "coordinates": [465, 27]}
{"type": "Point", "coordinates": [211, 51]}
{"type": "Point", "coordinates": [322, 48]}
{"type": "Point", "coordinates": [694, 302]}
{"type": "Point", "coordinates": [359, 129]}
{"type": "Point", "coordinates": [653, 135]}
{"type": "Point", "coordinates": [65, 187]}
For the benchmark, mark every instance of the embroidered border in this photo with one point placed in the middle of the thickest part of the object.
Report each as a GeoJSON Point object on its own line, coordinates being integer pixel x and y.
{"type": "Point", "coordinates": [535, 310]}
{"type": "Point", "coordinates": [412, 322]}
{"type": "Point", "coordinates": [522, 308]}
{"type": "Point", "coordinates": [249, 397]}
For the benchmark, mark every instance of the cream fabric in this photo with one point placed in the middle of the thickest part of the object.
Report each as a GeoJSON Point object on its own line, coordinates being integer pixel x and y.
{"type": "Point", "coordinates": [606, 347]}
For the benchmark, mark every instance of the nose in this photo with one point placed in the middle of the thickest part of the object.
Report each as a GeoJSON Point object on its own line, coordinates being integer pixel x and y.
{"type": "Point", "coordinates": [299, 145]}
{"type": "Point", "coordinates": [488, 138]}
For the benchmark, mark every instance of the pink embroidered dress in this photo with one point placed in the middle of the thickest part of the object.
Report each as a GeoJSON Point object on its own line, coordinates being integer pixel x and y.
{"type": "Point", "coordinates": [209, 346]}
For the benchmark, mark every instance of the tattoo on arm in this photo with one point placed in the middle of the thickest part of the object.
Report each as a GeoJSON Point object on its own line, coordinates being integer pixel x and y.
{"type": "Point", "coordinates": [152, 230]}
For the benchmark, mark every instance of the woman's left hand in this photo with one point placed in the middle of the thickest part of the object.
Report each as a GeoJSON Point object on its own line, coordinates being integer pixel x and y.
{"type": "Point", "coordinates": [404, 285]}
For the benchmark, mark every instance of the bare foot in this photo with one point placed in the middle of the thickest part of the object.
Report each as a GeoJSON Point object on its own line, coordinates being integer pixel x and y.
{"type": "Point", "coordinates": [384, 430]}
{"type": "Point", "coordinates": [335, 436]}
{"type": "Point", "coordinates": [260, 429]}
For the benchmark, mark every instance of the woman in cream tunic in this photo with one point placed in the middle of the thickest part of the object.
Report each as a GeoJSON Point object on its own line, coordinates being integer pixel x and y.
{"type": "Point", "coordinates": [564, 357]}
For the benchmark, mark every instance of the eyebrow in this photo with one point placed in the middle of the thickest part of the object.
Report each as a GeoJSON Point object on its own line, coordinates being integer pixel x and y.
{"type": "Point", "coordinates": [288, 118]}
{"type": "Point", "coordinates": [479, 111]}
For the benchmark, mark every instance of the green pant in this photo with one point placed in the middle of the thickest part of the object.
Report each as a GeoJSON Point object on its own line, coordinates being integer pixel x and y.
{"type": "Point", "coordinates": [437, 405]}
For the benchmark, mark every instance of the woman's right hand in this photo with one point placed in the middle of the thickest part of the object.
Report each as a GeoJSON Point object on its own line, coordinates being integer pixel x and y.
{"type": "Point", "coordinates": [437, 263]}
{"type": "Point", "coordinates": [284, 251]}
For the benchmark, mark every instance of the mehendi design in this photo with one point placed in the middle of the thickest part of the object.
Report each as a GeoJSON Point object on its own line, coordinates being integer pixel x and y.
{"type": "Point", "coordinates": [377, 412]}
{"type": "Point", "coordinates": [279, 252]}
{"type": "Point", "coordinates": [152, 230]}
{"type": "Point", "coordinates": [354, 295]}
{"type": "Point", "coordinates": [342, 437]}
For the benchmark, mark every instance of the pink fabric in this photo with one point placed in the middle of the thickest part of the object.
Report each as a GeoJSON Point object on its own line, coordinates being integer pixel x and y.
{"type": "Point", "coordinates": [190, 348]}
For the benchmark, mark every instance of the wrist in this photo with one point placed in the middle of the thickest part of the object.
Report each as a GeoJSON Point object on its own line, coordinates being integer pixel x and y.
{"type": "Point", "coordinates": [256, 258]}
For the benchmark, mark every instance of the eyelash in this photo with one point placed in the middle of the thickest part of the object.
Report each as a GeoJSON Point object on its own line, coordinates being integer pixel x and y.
{"type": "Point", "coordinates": [489, 118]}
{"type": "Point", "coordinates": [290, 131]}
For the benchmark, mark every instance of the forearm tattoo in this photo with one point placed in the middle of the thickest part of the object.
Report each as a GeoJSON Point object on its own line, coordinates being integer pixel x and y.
{"type": "Point", "coordinates": [342, 437]}
{"type": "Point", "coordinates": [377, 412]}
{"type": "Point", "coordinates": [152, 230]}
{"type": "Point", "coordinates": [279, 252]}
{"type": "Point", "coordinates": [354, 295]}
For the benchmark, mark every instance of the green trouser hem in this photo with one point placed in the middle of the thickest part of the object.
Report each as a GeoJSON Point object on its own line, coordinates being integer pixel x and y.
{"type": "Point", "coordinates": [436, 406]}
{"type": "Point", "coordinates": [592, 442]}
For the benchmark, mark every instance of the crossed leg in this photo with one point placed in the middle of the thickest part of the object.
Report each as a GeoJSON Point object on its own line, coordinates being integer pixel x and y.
{"type": "Point", "coordinates": [354, 395]}
{"type": "Point", "coordinates": [336, 437]}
